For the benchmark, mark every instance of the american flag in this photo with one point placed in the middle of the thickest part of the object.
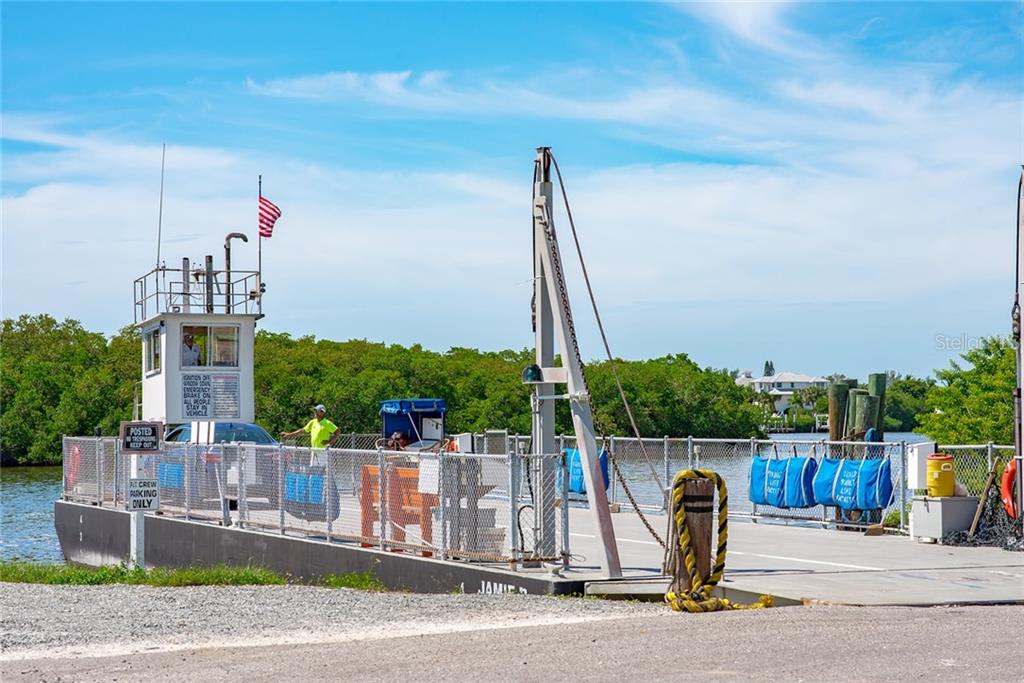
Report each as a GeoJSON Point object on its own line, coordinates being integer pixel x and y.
{"type": "Point", "coordinates": [269, 213]}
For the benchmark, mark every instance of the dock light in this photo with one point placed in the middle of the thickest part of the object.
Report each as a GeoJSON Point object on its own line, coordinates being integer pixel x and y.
{"type": "Point", "coordinates": [532, 374]}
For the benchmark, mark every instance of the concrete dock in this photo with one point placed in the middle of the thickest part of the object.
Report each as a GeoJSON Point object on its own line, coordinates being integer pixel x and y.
{"type": "Point", "coordinates": [818, 566]}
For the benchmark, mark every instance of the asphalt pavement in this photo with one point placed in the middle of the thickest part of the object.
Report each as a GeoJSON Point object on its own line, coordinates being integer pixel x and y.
{"type": "Point", "coordinates": [568, 639]}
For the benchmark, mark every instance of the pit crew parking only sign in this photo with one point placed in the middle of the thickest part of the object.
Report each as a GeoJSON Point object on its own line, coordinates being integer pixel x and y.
{"type": "Point", "coordinates": [143, 495]}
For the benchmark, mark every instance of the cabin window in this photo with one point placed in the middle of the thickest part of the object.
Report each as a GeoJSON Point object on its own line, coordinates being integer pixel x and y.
{"type": "Point", "coordinates": [193, 345]}
{"type": "Point", "coordinates": [225, 346]}
{"type": "Point", "coordinates": [152, 351]}
{"type": "Point", "coordinates": [205, 346]}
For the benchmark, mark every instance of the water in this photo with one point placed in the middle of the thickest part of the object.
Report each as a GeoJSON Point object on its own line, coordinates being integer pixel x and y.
{"type": "Point", "coordinates": [26, 513]}
{"type": "Point", "coordinates": [909, 437]}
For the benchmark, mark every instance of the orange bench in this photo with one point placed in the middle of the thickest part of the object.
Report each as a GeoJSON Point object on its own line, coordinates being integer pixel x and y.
{"type": "Point", "coordinates": [405, 504]}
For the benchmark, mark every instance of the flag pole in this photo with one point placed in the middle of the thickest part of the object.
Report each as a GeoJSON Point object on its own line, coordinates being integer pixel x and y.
{"type": "Point", "coordinates": [259, 250]}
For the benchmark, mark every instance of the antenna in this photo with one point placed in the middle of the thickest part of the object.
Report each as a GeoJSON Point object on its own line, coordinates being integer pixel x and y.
{"type": "Point", "coordinates": [160, 214]}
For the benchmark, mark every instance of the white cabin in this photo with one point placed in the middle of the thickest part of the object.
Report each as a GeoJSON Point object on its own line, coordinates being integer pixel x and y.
{"type": "Point", "coordinates": [198, 335]}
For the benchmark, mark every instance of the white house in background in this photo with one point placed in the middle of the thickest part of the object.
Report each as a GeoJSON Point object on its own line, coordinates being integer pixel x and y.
{"type": "Point", "coordinates": [781, 385]}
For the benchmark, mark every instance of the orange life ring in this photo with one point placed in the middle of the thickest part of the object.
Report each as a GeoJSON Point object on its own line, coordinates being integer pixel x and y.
{"type": "Point", "coordinates": [1006, 488]}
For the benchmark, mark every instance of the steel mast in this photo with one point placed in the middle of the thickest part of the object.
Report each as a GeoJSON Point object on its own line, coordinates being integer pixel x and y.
{"type": "Point", "coordinates": [553, 318]}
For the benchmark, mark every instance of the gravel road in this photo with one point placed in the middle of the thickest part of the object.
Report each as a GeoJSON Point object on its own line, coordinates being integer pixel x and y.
{"type": "Point", "coordinates": [309, 634]}
{"type": "Point", "coordinates": [88, 620]}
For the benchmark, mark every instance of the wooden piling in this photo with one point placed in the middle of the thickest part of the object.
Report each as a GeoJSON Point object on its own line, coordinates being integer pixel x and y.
{"type": "Point", "coordinates": [700, 505]}
{"type": "Point", "coordinates": [852, 406]}
{"type": "Point", "coordinates": [838, 392]}
{"type": "Point", "coordinates": [866, 414]}
{"type": "Point", "coordinates": [876, 387]}
{"type": "Point", "coordinates": [699, 501]}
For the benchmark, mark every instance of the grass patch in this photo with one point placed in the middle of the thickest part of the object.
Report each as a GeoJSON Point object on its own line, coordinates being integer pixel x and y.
{"type": "Point", "coordinates": [61, 574]}
{"type": "Point", "coordinates": [213, 576]}
{"type": "Point", "coordinates": [366, 581]}
{"type": "Point", "coordinates": [220, 575]}
{"type": "Point", "coordinates": [65, 574]}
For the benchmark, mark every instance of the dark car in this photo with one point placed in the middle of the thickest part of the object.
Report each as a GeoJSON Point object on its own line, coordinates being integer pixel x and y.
{"type": "Point", "coordinates": [223, 432]}
{"type": "Point", "coordinates": [209, 476]}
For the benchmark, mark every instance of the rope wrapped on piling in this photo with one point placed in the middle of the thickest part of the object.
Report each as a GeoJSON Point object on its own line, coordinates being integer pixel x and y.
{"type": "Point", "coordinates": [688, 591]}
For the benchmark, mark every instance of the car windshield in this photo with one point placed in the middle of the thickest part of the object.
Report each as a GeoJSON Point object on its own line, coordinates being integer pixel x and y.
{"type": "Point", "coordinates": [180, 434]}
{"type": "Point", "coordinates": [240, 431]}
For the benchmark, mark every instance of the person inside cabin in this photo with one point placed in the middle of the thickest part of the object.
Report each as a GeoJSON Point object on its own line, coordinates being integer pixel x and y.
{"type": "Point", "coordinates": [322, 432]}
{"type": "Point", "coordinates": [189, 351]}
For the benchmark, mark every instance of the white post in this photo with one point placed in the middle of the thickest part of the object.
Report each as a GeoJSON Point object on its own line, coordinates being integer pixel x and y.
{"type": "Point", "coordinates": [666, 493]}
{"type": "Point", "coordinates": [543, 428]}
{"type": "Point", "coordinates": [328, 489]}
{"type": "Point", "coordinates": [137, 535]}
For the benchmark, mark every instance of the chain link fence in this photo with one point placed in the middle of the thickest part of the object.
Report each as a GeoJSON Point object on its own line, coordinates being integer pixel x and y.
{"type": "Point", "coordinates": [499, 504]}
{"type": "Point", "coordinates": [972, 463]}
{"type": "Point", "coordinates": [90, 467]}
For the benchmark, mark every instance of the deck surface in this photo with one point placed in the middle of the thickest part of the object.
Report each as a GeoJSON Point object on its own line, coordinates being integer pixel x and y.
{"type": "Point", "coordinates": [819, 565]}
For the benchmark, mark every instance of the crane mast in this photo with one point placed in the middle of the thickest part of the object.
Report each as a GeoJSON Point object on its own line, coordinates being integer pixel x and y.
{"type": "Point", "coordinates": [553, 320]}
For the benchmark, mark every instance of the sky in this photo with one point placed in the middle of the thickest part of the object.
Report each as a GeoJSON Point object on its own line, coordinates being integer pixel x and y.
{"type": "Point", "coordinates": [831, 186]}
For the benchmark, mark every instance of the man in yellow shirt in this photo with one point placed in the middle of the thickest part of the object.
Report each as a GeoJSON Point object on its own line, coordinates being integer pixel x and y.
{"type": "Point", "coordinates": [322, 432]}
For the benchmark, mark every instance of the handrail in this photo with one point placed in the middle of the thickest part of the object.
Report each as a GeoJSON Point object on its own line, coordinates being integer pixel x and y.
{"type": "Point", "coordinates": [175, 290]}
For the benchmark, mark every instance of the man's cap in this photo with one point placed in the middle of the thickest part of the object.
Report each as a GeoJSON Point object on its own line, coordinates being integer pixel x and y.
{"type": "Point", "coordinates": [320, 407]}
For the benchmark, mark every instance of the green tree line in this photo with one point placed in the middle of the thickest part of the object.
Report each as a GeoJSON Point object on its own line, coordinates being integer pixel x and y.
{"type": "Point", "coordinates": [58, 378]}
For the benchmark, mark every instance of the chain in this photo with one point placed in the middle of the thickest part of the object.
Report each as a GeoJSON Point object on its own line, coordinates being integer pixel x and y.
{"type": "Point", "coordinates": [604, 338]}
{"type": "Point", "coordinates": [549, 234]}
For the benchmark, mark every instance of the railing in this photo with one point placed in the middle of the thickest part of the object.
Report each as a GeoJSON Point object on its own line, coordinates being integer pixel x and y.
{"type": "Point", "coordinates": [474, 507]}
{"type": "Point", "coordinates": [500, 504]}
{"type": "Point", "coordinates": [174, 290]}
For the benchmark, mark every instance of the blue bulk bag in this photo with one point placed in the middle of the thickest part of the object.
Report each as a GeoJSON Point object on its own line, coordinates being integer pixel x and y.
{"type": "Point", "coordinates": [800, 482]}
{"type": "Point", "coordinates": [171, 475]}
{"type": "Point", "coordinates": [824, 480]}
{"type": "Point", "coordinates": [775, 483]}
{"type": "Point", "coordinates": [844, 489]}
{"type": "Point", "coordinates": [758, 476]}
{"type": "Point", "coordinates": [874, 484]}
{"type": "Point", "coordinates": [304, 493]}
{"type": "Point", "coordinates": [296, 487]}
{"type": "Point", "coordinates": [872, 436]}
{"type": "Point", "coordinates": [577, 483]}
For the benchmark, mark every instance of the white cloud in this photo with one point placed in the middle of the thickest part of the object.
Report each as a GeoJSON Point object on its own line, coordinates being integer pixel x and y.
{"type": "Point", "coordinates": [379, 247]}
{"type": "Point", "coordinates": [653, 103]}
{"type": "Point", "coordinates": [817, 119]}
{"type": "Point", "coordinates": [759, 23]}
